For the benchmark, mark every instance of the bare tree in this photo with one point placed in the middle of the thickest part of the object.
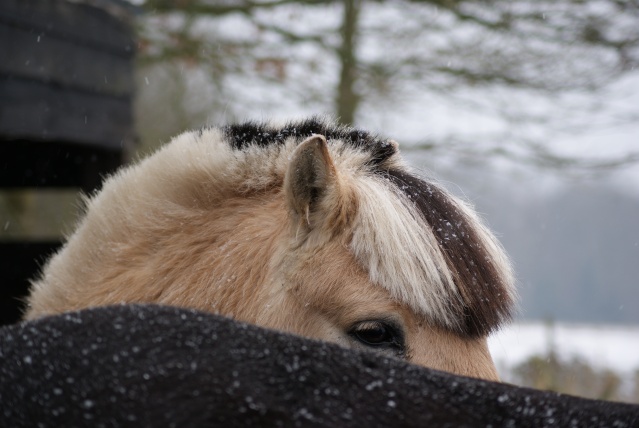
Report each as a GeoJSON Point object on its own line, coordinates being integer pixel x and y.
{"type": "Point", "coordinates": [348, 58]}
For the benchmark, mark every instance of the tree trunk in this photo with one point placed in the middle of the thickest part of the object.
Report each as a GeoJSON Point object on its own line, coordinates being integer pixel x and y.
{"type": "Point", "coordinates": [347, 100]}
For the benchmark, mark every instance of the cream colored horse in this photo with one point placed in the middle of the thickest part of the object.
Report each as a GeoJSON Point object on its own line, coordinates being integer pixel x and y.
{"type": "Point", "coordinates": [309, 228]}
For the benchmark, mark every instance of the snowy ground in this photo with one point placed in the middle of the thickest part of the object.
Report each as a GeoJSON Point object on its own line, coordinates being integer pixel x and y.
{"type": "Point", "coordinates": [614, 347]}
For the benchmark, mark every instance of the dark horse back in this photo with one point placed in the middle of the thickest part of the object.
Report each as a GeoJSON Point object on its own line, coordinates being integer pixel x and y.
{"type": "Point", "coordinates": [162, 366]}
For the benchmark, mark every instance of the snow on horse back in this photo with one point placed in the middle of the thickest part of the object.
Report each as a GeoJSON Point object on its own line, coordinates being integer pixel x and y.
{"type": "Point", "coordinates": [310, 228]}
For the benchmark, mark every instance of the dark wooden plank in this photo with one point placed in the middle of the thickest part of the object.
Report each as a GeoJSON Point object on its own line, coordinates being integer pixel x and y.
{"type": "Point", "coordinates": [44, 57]}
{"type": "Point", "coordinates": [36, 111]}
{"type": "Point", "coordinates": [19, 262]}
{"type": "Point", "coordinates": [108, 28]}
{"type": "Point", "coordinates": [45, 164]}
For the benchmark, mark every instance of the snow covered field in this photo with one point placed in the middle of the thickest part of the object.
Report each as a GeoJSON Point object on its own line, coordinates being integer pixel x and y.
{"type": "Point", "coordinates": [614, 347]}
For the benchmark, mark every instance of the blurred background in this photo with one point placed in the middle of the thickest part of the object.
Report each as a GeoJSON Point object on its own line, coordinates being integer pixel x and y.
{"type": "Point", "coordinates": [528, 109]}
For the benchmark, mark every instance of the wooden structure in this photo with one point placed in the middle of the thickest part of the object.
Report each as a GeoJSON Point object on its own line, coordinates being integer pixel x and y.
{"type": "Point", "coordinates": [66, 86]}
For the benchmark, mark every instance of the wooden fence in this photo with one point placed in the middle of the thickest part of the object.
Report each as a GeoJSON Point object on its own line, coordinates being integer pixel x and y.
{"type": "Point", "coordinates": [66, 86]}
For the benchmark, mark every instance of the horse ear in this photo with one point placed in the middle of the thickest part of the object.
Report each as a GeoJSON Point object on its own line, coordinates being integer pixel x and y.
{"type": "Point", "coordinates": [310, 173]}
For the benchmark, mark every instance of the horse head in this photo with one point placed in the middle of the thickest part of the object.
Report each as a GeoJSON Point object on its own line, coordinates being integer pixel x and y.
{"type": "Point", "coordinates": [309, 227]}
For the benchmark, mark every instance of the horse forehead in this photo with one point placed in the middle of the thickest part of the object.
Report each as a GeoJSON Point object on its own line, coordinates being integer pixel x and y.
{"type": "Point", "coordinates": [333, 280]}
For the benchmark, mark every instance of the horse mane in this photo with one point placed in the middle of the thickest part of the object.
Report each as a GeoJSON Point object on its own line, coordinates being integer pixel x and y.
{"type": "Point", "coordinates": [244, 135]}
{"type": "Point", "coordinates": [425, 246]}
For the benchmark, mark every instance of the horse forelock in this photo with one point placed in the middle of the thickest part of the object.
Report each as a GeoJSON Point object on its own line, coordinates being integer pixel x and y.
{"type": "Point", "coordinates": [431, 251]}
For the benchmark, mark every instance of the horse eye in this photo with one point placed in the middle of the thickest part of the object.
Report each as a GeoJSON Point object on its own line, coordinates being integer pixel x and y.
{"type": "Point", "coordinates": [376, 334]}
